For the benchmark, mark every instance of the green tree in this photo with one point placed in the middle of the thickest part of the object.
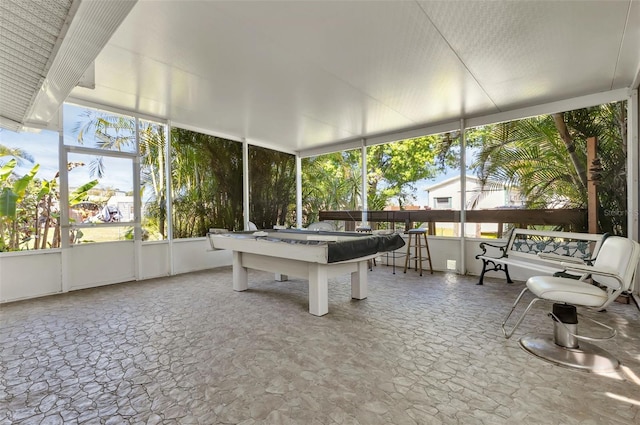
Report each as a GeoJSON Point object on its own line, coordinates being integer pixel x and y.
{"type": "Point", "coordinates": [13, 191]}
{"type": "Point", "coordinates": [333, 181]}
{"type": "Point", "coordinates": [272, 178]}
{"type": "Point", "coordinates": [330, 182]}
{"type": "Point", "coordinates": [117, 132]}
{"type": "Point", "coordinates": [111, 132]}
{"type": "Point", "coordinates": [545, 158]}
{"type": "Point", "coordinates": [206, 183]}
{"type": "Point", "coordinates": [151, 147]}
{"type": "Point", "coordinates": [394, 168]}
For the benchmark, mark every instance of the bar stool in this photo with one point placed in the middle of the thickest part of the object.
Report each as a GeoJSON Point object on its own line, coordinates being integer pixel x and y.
{"type": "Point", "coordinates": [417, 239]}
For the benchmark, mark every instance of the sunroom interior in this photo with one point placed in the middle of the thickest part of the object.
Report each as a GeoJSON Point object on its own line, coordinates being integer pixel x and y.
{"type": "Point", "coordinates": [302, 78]}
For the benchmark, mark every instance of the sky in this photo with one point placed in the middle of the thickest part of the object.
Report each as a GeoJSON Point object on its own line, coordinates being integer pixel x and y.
{"type": "Point", "coordinates": [43, 147]}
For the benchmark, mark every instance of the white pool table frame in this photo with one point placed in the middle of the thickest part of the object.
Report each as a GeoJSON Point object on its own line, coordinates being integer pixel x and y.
{"type": "Point", "coordinates": [304, 261]}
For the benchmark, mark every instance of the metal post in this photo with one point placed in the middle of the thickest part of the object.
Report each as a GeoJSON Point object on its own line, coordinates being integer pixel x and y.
{"type": "Point", "coordinates": [245, 183]}
{"type": "Point", "coordinates": [463, 194]}
{"type": "Point", "coordinates": [298, 191]}
{"type": "Point", "coordinates": [365, 207]}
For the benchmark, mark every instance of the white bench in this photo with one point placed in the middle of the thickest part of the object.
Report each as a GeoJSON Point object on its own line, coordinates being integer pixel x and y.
{"type": "Point", "coordinates": [538, 250]}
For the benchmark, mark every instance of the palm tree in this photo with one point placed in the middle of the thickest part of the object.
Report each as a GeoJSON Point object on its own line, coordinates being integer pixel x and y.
{"type": "Point", "coordinates": [111, 132]}
{"type": "Point", "coordinates": [117, 132]}
{"type": "Point", "coordinates": [545, 159]}
{"type": "Point", "coordinates": [272, 177]}
{"type": "Point", "coordinates": [330, 182]}
{"type": "Point", "coordinates": [151, 147]}
{"type": "Point", "coordinates": [206, 183]}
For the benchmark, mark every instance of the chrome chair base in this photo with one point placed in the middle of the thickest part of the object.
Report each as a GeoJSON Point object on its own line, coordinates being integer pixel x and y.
{"type": "Point", "coordinates": [587, 356]}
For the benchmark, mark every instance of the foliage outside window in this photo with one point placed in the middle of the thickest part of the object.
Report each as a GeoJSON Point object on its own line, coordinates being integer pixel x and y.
{"type": "Point", "coordinates": [331, 182]}
{"type": "Point", "coordinates": [398, 169]}
{"type": "Point", "coordinates": [206, 183]}
{"type": "Point", "coordinates": [100, 184]}
{"type": "Point", "coordinates": [153, 180]}
{"type": "Point", "coordinates": [544, 158]}
{"type": "Point", "coordinates": [272, 182]}
{"type": "Point", "coordinates": [98, 129]}
{"type": "Point", "coordinates": [395, 171]}
{"type": "Point", "coordinates": [29, 193]}
{"type": "Point", "coordinates": [398, 173]}
{"type": "Point", "coordinates": [98, 204]}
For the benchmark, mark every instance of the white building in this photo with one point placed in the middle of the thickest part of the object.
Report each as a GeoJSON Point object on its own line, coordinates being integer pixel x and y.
{"type": "Point", "coordinates": [124, 204]}
{"type": "Point", "coordinates": [446, 195]}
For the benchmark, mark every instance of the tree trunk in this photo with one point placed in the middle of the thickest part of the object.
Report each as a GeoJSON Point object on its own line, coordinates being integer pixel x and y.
{"type": "Point", "coordinates": [2, 242]}
{"type": "Point", "coordinates": [45, 232]}
{"type": "Point", "coordinates": [580, 169]}
{"type": "Point", "coordinates": [36, 237]}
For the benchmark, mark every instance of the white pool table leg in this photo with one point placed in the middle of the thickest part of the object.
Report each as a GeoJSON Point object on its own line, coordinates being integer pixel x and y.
{"type": "Point", "coordinates": [240, 278]}
{"type": "Point", "coordinates": [318, 290]}
{"type": "Point", "coordinates": [359, 283]}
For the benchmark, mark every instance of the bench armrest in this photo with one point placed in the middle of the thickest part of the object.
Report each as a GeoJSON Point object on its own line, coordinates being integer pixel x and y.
{"type": "Point", "coordinates": [501, 247]}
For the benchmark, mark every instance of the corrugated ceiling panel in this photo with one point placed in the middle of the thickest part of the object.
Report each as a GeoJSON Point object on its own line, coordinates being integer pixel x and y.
{"type": "Point", "coordinates": [94, 24]}
{"type": "Point", "coordinates": [29, 34]}
{"type": "Point", "coordinates": [44, 51]}
{"type": "Point", "coordinates": [38, 16]}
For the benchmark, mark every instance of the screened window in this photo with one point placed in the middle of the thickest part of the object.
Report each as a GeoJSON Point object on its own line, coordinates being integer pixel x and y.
{"type": "Point", "coordinates": [29, 190]}
{"type": "Point", "coordinates": [153, 179]}
{"type": "Point", "coordinates": [206, 183]}
{"type": "Point", "coordinates": [272, 180]}
{"type": "Point", "coordinates": [442, 203]}
{"type": "Point", "coordinates": [574, 160]}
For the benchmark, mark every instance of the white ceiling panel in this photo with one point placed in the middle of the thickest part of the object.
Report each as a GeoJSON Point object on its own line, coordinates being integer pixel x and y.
{"type": "Point", "coordinates": [299, 75]}
{"type": "Point", "coordinates": [629, 58]}
{"type": "Point", "coordinates": [527, 52]}
{"type": "Point", "coordinates": [387, 50]}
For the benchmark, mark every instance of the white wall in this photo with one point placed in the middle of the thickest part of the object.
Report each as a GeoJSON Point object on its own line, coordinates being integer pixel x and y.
{"type": "Point", "coordinates": [38, 273]}
{"type": "Point", "coordinates": [442, 250]}
{"type": "Point", "coordinates": [191, 255]}
{"type": "Point", "coordinates": [34, 274]}
{"type": "Point", "coordinates": [96, 264]}
{"type": "Point", "coordinates": [154, 260]}
{"type": "Point", "coordinates": [30, 274]}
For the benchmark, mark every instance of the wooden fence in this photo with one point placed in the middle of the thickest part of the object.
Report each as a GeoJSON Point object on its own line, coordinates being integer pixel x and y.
{"type": "Point", "coordinates": [570, 220]}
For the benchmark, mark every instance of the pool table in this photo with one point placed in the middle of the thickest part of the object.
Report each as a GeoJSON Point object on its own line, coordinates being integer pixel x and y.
{"type": "Point", "coordinates": [312, 255]}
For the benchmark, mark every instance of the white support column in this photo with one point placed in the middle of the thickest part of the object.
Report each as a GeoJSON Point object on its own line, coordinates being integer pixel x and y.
{"type": "Point", "coordinates": [168, 196]}
{"type": "Point", "coordinates": [64, 203]}
{"type": "Point", "coordinates": [137, 208]}
{"type": "Point", "coordinates": [363, 161]}
{"type": "Point", "coordinates": [245, 183]}
{"type": "Point", "coordinates": [298, 191]}
{"type": "Point", "coordinates": [462, 269]}
{"type": "Point", "coordinates": [633, 192]}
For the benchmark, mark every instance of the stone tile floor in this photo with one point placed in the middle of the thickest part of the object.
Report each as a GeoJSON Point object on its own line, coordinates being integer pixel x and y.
{"type": "Point", "coordinates": [189, 350]}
